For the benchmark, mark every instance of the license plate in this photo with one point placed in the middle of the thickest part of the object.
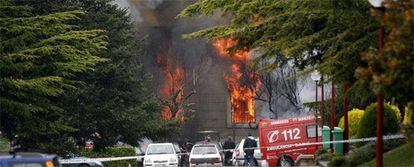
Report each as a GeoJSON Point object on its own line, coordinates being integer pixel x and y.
{"type": "Point", "coordinates": [160, 165]}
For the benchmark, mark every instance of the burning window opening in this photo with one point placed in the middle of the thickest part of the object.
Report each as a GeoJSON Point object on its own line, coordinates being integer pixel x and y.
{"type": "Point", "coordinates": [242, 81]}
{"type": "Point", "coordinates": [172, 88]}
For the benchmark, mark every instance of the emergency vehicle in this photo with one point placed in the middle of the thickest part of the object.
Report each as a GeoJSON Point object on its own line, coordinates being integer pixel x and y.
{"type": "Point", "coordinates": [283, 140]}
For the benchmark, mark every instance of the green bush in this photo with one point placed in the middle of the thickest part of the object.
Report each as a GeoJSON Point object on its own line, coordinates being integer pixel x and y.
{"type": "Point", "coordinates": [368, 123]}
{"type": "Point", "coordinates": [367, 152]}
{"type": "Point", "coordinates": [323, 157]}
{"type": "Point", "coordinates": [112, 152]}
{"type": "Point", "coordinates": [361, 154]}
{"type": "Point", "coordinates": [320, 152]}
{"type": "Point", "coordinates": [408, 115]}
{"type": "Point", "coordinates": [354, 118]}
{"type": "Point", "coordinates": [396, 111]}
{"type": "Point", "coordinates": [337, 161]}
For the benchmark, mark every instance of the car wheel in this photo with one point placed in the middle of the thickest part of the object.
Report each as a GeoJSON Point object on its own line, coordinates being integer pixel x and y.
{"type": "Point", "coordinates": [84, 165]}
{"type": "Point", "coordinates": [285, 161]}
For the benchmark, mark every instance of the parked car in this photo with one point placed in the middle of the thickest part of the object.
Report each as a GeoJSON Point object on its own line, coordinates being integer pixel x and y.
{"type": "Point", "coordinates": [73, 160]}
{"type": "Point", "coordinates": [205, 155]}
{"type": "Point", "coordinates": [161, 155]}
{"type": "Point", "coordinates": [28, 160]}
{"type": "Point", "coordinates": [238, 153]}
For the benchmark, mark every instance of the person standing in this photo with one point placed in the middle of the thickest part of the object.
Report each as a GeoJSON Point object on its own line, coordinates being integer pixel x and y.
{"type": "Point", "coordinates": [249, 145]}
{"type": "Point", "coordinates": [228, 145]}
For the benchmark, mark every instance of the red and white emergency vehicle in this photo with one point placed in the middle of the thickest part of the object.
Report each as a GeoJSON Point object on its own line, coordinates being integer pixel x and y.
{"type": "Point", "coordinates": [283, 140]}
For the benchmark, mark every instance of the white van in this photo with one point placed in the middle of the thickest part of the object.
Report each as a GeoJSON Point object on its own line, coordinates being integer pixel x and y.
{"type": "Point", "coordinates": [238, 153]}
{"type": "Point", "coordinates": [161, 155]}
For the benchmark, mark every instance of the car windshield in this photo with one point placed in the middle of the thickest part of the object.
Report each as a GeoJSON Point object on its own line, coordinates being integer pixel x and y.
{"type": "Point", "coordinates": [205, 149]}
{"type": "Point", "coordinates": [160, 149]}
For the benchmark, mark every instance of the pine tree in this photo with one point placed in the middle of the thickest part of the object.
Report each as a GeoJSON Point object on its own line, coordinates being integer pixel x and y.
{"type": "Point", "coordinates": [40, 58]}
{"type": "Point", "coordinates": [327, 35]}
{"type": "Point", "coordinates": [114, 104]}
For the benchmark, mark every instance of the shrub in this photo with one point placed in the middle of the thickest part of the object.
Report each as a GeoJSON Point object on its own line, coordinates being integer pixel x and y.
{"type": "Point", "coordinates": [337, 161]}
{"type": "Point", "coordinates": [361, 155]}
{"type": "Point", "coordinates": [396, 111]}
{"type": "Point", "coordinates": [407, 125]}
{"type": "Point", "coordinates": [354, 117]}
{"type": "Point", "coordinates": [368, 123]}
{"type": "Point", "coordinates": [323, 157]}
{"type": "Point", "coordinates": [408, 115]}
{"type": "Point", "coordinates": [112, 152]}
{"type": "Point", "coordinates": [320, 152]}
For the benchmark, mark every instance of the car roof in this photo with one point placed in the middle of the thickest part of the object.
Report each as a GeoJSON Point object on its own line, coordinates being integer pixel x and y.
{"type": "Point", "coordinates": [26, 156]}
{"type": "Point", "coordinates": [160, 144]}
{"type": "Point", "coordinates": [206, 144]}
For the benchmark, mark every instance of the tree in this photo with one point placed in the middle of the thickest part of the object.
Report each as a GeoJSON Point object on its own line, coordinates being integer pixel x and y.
{"type": "Point", "coordinates": [328, 34]}
{"type": "Point", "coordinates": [391, 71]}
{"type": "Point", "coordinates": [116, 105]}
{"type": "Point", "coordinates": [280, 89]}
{"type": "Point", "coordinates": [40, 58]}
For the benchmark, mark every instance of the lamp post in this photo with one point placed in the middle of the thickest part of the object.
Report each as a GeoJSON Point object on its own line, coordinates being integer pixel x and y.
{"type": "Point", "coordinates": [346, 127]}
{"type": "Point", "coordinates": [316, 77]}
{"type": "Point", "coordinates": [377, 4]}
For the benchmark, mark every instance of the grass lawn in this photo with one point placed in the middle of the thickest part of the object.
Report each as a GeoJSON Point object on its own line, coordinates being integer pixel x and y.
{"type": "Point", "coordinates": [400, 156]}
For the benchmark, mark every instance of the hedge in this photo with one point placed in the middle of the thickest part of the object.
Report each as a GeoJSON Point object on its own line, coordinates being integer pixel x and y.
{"type": "Point", "coordinates": [368, 123]}
{"type": "Point", "coordinates": [112, 152]}
{"type": "Point", "coordinates": [354, 118]}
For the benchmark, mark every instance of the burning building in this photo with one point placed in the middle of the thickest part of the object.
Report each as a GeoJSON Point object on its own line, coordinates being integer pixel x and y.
{"type": "Point", "coordinates": [198, 81]}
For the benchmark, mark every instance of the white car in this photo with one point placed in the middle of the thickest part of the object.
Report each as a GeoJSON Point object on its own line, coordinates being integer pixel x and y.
{"type": "Point", "coordinates": [238, 154]}
{"type": "Point", "coordinates": [205, 155]}
{"type": "Point", "coordinates": [161, 155]}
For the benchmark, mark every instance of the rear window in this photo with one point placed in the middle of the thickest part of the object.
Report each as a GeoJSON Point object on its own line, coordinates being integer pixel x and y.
{"type": "Point", "coordinates": [160, 149]}
{"type": "Point", "coordinates": [206, 149]}
{"type": "Point", "coordinates": [311, 129]}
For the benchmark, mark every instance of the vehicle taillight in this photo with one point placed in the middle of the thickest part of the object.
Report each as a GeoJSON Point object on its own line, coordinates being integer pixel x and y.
{"type": "Point", "coordinates": [218, 159]}
{"type": "Point", "coordinates": [237, 152]}
{"type": "Point", "coordinates": [49, 164]}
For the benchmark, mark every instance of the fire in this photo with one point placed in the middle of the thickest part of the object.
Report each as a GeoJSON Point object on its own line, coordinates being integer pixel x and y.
{"type": "Point", "coordinates": [171, 89]}
{"type": "Point", "coordinates": [242, 81]}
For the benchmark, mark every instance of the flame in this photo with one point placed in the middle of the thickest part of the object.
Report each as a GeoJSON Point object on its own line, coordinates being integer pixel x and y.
{"type": "Point", "coordinates": [242, 81]}
{"type": "Point", "coordinates": [171, 89]}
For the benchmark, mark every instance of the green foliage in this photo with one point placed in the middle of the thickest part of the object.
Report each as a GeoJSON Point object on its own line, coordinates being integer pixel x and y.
{"type": "Point", "coordinates": [391, 71]}
{"type": "Point", "coordinates": [323, 157]}
{"type": "Point", "coordinates": [368, 123]}
{"type": "Point", "coordinates": [320, 152]}
{"type": "Point", "coordinates": [112, 152]}
{"type": "Point", "coordinates": [4, 144]}
{"type": "Point", "coordinates": [396, 111]}
{"type": "Point", "coordinates": [367, 152]}
{"type": "Point", "coordinates": [337, 30]}
{"type": "Point", "coordinates": [354, 117]}
{"type": "Point", "coordinates": [361, 155]}
{"type": "Point", "coordinates": [401, 156]}
{"type": "Point", "coordinates": [39, 59]}
{"type": "Point", "coordinates": [70, 72]}
{"type": "Point", "coordinates": [409, 114]}
{"type": "Point", "coordinates": [337, 161]}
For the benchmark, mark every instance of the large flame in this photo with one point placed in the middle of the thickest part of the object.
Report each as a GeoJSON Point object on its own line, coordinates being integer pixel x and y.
{"type": "Point", "coordinates": [171, 89]}
{"type": "Point", "coordinates": [242, 81]}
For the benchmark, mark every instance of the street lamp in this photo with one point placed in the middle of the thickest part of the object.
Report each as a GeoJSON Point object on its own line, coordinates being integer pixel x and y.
{"type": "Point", "coordinates": [378, 4]}
{"type": "Point", "coordinates": [316, 76]}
